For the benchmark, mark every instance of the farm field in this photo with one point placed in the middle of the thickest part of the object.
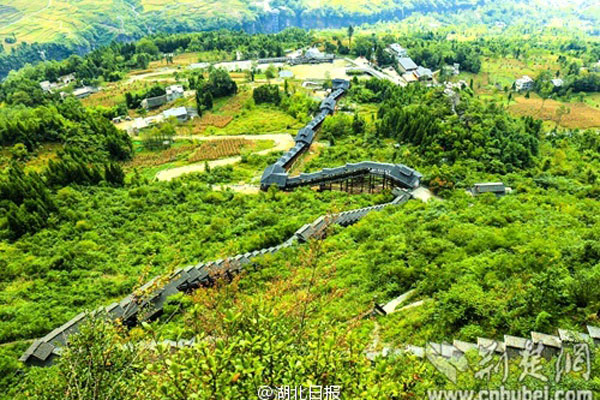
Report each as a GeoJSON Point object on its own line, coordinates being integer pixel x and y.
{"type": "Point", "coordinates": [580, 115]}
{"type": "Point", "coordinates": [321, 71]}
{"type": "Point", "coordinates": [189, 151]}
{"type": "Point", "coordinates": [497, 73]}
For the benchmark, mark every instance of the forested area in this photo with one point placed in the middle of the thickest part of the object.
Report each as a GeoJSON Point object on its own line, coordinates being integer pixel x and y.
{"type": "Point", "coordinates": [78, 233]}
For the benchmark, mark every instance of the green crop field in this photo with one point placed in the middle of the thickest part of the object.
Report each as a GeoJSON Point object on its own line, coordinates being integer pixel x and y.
{"type": "Point", "coordinates": [49, 20]}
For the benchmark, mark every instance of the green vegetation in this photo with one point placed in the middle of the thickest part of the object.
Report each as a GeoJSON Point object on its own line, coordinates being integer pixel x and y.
{"type": "Point", "coordinates": [84, 221]}
{"type": "Point", "coordinates": [266, 94]}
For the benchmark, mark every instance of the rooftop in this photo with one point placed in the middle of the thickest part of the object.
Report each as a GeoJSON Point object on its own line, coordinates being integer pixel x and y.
{"type": "Point", "coordinates": [407, 63]}
{"type": "Point", "coordinates": [175, 112]}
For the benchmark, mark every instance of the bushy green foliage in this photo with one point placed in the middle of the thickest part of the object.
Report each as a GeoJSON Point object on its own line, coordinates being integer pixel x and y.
{"type": "Point", "coordinates": [96, 365]}
{"type": "Point", "coordinates": [219, 84]}
{"type": "Point", "coordinates": [106, 240]}
{"type": "Point", "coordinates": [62, 122]}
{"type": "Point", "coordinates": [266, 94]}
{"type": "Point", "coordinates": [25, 200]}
{"type": "Point", "coordinates": [445, 133]}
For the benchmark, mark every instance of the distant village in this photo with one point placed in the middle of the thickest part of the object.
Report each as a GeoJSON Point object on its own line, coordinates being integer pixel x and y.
{"type": "Point", "coordinates": [405, 72]}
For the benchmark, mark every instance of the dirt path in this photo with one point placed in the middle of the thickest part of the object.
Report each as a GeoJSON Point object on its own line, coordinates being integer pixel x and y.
{"type": "Point", "coordinates": [283, 142]}
{"type": "Point", "coordinates": [162, 71]}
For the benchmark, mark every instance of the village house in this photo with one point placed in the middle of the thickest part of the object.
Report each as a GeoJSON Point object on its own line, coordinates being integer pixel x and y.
{"type": "Point", "coordinates": [154, 102]}
{"type": "Point", "coordinates": [67, 79]}
{"type": "Point", "coordinates": [524, 84]}
{"type": "Point", "coordinates": [182, 114]}
{"type": "Point", "coordinates": [557, 82]}
{"type": "Point", "coordinates": [83, 92]}
{"type": "Point", "coordinates": [406, 64]}
{"type": "Point", "coordinates": [497, 188]}
{"type": "Point", "coordinates": [174, 92]}
{"type": "Point", "coordinates": [453, 69]}
{"type": "Point", "coordinates": [397, 50]}
{"type": "Point", "coordinates": [46, 86]}
{"type": "Point", "coordinates": [423, 74]}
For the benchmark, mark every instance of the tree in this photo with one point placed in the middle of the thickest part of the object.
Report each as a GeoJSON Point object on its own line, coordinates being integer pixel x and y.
{"type": "Point", "coordinates": [350, 34]}
{"type": "Point", "coordinates": [545, 90]}
{"type": "Point", "coordinates": [358, 124]}
{"type": "Point", "coordinates": [159, 136]}
{"type": "Point", "coordinates": [270, 72]}
{"type": "Point", "coordinates": [19, 152]}
{"type": "Point", "coordinates": [28, 199]}
{"type": "Point", "coordinates": [147, 46]}
{"type": "Point", "coordinates": [560, 113]}
{"type": "Point", "coordinates": [114, 175]}
{"type": "Point", "coordinates": [267, 94]}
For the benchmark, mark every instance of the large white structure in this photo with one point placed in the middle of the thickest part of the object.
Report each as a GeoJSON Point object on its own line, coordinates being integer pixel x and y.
{"type": "Point", "coordinates": [523, 84]}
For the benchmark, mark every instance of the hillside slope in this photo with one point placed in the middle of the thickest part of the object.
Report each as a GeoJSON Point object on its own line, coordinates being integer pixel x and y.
{"type": "Point", "coordinates": [91, 22]}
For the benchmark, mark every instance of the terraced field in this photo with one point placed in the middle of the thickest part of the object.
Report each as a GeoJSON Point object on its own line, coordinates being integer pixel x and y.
{"type": "Point", "coordinates": [51, 20]}
{"type": "Point", "coordinates": [88, 23]}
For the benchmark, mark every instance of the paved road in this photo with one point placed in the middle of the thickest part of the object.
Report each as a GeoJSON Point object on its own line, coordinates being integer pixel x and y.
{"type": "Point", "coordinates": [283, 142]}
{"type": "Point", "coordinates": [363, 66]}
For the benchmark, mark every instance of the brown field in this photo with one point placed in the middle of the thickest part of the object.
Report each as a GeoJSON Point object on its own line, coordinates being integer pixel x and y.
{"type": "Point", "coordinates": [157, 158]}
{"type": "Point", "coordinates": [581, 115]}
{"type": "Point", "coordinates": [221, 115]}
{"type": "Point", "coordinates": [215, 149]}
{"type": "Point", "coordinates": [184, 153]}
{"type": "Point", "coordinates": [114, 93]}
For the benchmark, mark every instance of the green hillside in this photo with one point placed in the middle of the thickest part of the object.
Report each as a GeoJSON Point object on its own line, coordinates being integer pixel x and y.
{"type": "Point", "coordinates": [92, 21]}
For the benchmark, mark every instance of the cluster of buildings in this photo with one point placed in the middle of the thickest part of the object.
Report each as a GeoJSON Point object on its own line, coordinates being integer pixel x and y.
{"type": "Point", "coordinates": [64, 81]}
{"type": "Point", "coordinates": [172, 93]}
{"type": "Point", "coordinates": [526, 83]}
{"type": "Point", "coordinates": [181, 114]}
{"type": "Point", "coordinates": [411, 72]}
{"type": "Point", "coordinates": [310, 56]}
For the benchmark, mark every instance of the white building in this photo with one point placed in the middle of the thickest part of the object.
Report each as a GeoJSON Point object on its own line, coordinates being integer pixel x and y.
{"type": "Point", "coordinates": [199, 65]}
{"type": "Point", "coordinates": [66, 79]}
{"type": "Point", "coordinates": [84, 92]}
{"type": "Point", "coordinates": [453, 69]}
{"type": "Point", "coordinates": [398, 50]}
{"type": "Point", "coordinates": [174, 92]}
{"type": "Point", "coordinates": [181, 113]}
{"type": "Point", "coordinates": [423, 74]}
{"type": "Point", "coordinates": [557, 82]}
{"type": "Point", "coordinates": [46, 86]}
{"type": "Point", "coordinates": [497, 188]}
{"type": "Point", "coordinates": [406, 64]}
{"type": "Point", "coordinates": [313, 53]}
{"type": "Point", "coordinates": [524, 84]}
